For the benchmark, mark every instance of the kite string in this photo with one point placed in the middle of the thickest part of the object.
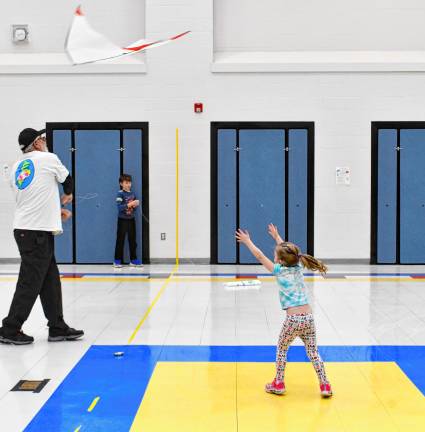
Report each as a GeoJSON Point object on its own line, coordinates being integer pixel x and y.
{"type": "Point", "coordinates": [87, 196]}
{"type": "Point", "coordinates": [93, 195]}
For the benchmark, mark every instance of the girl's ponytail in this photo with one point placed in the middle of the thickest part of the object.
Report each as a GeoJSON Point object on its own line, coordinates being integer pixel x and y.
{"type": "Point", "coordinates": [289, 254]}
{"type": "Point", "coordinates": [312, 263]}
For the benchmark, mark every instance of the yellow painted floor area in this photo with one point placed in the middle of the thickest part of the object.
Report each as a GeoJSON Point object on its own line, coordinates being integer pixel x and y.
{"type": "Point", "coordinates": [224, 397]}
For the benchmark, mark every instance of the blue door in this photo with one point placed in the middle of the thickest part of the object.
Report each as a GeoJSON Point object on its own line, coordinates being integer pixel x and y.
{"type": "Point", "coordinates": [387, 197]}
{"type": "Point", "coordinates": [96, 158]}
{"type": "Point", "coordinates": [412, 196]}
{"type": "Point", "coordinates": [261, 187]}
{"type": "Point", "coordinates": [97, 167]}
{"type": "Point", "coordinates": [132, 164]}
{"type": "Point", "coordinates": [399, 199]}
{"type": "Point", "coordinates": [226, 200]}
{"type": "Point", "coordinates": [263, 176]}
{"type": "Point", "coordinates": [62, 142]}
{"type": "Point", "coordinates": [298, 187]}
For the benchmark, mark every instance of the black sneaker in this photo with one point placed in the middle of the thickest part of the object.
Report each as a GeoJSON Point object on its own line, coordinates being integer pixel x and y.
{"type": "Point", "coordinates": [67, 334]}
{"type": "Point", "coordinates": [20, 338]}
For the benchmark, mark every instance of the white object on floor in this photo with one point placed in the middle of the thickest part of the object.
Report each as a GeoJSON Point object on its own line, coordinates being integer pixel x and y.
{"type": "Point", "coordinates": [243, 284]}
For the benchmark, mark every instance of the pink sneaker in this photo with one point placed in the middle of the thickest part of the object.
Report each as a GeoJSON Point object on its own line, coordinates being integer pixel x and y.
{"type": "Point", "coordinates": [326, 390]}
{"type": "Point", "coordinates": [275, 387]}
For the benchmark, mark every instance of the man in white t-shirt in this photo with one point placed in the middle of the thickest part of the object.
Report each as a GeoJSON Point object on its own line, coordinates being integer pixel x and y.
{"type": "Point", "coordinates": [34, 180]}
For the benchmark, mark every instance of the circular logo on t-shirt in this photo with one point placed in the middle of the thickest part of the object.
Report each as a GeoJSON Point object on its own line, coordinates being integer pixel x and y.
{"type": "Point", "coordinates": [24, 174]}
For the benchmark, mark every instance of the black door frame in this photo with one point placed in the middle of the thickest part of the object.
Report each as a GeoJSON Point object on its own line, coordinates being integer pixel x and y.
{"type": "Point", "coordinates": [215, 126]}
{"type": "Point", "coordinates": [144, 126]}
{"type": "Point", "coordinates": [375, 127]}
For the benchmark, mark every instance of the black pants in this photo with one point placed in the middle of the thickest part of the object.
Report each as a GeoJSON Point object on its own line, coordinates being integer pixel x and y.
{"type": "Point", "coordinates": [126, 227]}
{"type": "Point", "coordinates": [38, 276]}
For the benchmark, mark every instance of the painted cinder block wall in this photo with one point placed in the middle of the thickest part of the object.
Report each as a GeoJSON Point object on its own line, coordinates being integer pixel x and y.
{"type": "Point", "coordinates": [342, 105]}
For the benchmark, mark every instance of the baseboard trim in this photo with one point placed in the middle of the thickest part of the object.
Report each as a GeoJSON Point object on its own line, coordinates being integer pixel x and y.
{"type": "Point", "coordinates": [181, 261]}
{"type": "Point", "coordinates": [207, 261]}
{"type": "Point", "coordinates": [345, 260]}
{"type": "Point", "coordinates": [10, 260]}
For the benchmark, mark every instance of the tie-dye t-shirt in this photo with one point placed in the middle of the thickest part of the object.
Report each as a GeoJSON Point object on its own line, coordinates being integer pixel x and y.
{"type": "Point", "coordinates": [291, 285]}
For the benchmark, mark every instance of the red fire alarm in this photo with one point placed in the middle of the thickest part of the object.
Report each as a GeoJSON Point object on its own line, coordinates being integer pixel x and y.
{"type": "Point", "coordinates": [199, 107]}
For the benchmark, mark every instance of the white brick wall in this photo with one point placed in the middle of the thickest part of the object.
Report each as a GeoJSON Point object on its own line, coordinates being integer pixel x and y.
{"type": "Point", "coordinates": [342, 105]}
{"type": "Point", "coordinates": [123, 21]}
{"type": "Point", "coordinates": [272, 25]}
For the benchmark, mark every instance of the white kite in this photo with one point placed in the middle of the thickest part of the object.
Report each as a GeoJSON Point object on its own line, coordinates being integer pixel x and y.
{"type": "Point", "coordinates": [85, 45]}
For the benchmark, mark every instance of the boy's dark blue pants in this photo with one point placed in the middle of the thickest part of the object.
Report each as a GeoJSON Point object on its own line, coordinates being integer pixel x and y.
{"type": "Point", "coordinates": [126, 227]}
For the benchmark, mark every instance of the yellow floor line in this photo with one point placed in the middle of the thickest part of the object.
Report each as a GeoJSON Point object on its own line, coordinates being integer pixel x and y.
{"type": "Point", "coordinates": [93, 404]}
{"type": "Point", "coordinates": [167, 281]}
{"type": "Point", "coordinates": [78, 429]}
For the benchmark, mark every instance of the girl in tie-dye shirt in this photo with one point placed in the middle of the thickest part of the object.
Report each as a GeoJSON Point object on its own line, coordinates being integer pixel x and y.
{"type": "Point", "coordinates": [287, 267]}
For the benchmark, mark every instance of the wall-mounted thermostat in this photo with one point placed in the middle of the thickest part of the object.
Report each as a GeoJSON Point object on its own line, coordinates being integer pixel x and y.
{"type": "Point", "coordinates": [20, 33]}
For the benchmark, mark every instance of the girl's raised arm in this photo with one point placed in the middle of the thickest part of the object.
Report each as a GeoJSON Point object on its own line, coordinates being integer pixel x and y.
{"type": "Point", "coordinates": [243, 237]}
{"type": "Point", "coordinates": [275, 233]}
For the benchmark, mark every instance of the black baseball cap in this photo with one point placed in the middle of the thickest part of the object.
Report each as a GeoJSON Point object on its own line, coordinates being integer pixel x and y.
{"type": "Point", "coordinates": [28, 136]}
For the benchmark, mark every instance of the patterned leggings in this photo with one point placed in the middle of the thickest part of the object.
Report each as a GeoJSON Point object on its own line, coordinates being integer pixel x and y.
{"type": "Point", "coordinates": [301, 325]}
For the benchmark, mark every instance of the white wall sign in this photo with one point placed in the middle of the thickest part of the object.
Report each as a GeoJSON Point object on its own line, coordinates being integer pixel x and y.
{"type": "Point", "coordinates": [343, 175]}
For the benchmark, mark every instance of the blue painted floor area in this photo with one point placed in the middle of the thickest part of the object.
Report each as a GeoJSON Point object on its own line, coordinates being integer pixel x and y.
{"type": "Point", "coordinates": [120, 382]}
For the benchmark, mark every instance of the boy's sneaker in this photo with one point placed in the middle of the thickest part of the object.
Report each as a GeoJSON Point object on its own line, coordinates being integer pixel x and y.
{"type": "Point", "coordinates": [275, 387]}
{"type": "Point", "coordinates": [66, 334]}
{"type": "Point", "coordinates": [20, 338]}
{"type": "Point", "coordinates": [117, 264]}
{"type": "Point", "coordinates": [325, 390]}
{"type": "Point", "coordinates": [136, 263]}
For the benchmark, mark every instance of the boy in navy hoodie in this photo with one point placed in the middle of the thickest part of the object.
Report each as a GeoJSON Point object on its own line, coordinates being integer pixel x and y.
{"type": "Point", "coordinates": [126, 203]}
